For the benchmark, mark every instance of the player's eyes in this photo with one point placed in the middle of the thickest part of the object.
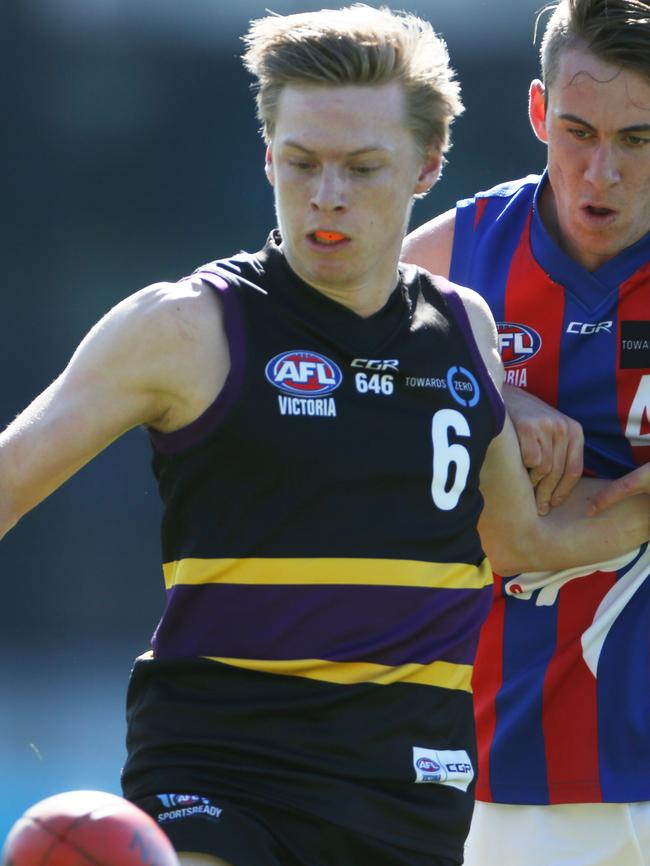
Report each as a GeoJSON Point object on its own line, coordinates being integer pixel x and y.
{"type": "Point", "coordinates": [364, 169]}
{"type": "Point", "coordinates": [301, 164]}
{"type": "Point", "coordinates": [636, 140]}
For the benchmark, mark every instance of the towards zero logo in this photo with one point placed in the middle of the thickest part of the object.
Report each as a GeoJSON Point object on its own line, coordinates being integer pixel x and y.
{"type": "Point", "coordinates": [463, 386]}
{"type": "Point", "coordinates": [304, 373]}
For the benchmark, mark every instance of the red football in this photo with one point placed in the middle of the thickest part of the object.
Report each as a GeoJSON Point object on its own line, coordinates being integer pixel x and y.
{"type": "Point", "coordinates": [87, 828]}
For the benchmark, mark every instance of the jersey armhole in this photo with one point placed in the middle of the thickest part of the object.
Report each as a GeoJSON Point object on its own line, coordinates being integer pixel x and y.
{"type": "Point", "coordinates": [457, 308]}
{"type": "Point", "coordinates": [212, 417]}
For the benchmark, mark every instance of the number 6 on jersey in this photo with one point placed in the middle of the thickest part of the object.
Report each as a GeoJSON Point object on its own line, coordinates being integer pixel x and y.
{"type": "Point", "coordinates": [450, 459]}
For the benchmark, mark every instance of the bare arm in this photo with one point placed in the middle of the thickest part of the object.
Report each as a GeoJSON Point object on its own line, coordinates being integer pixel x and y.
{"type": "Point", "coordinates": [635, 483]}
{"type": "Point", "coordinates": [141, 364]}
{"type": "Point", "coordinates": [517, 539]}
{"type": "Point", "coordinates": [514, 535]}
{"type": "Point", "coordinates": [551, 443]}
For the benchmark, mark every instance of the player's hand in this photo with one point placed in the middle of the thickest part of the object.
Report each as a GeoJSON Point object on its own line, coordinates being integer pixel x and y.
{"type": "Point", "coordinates": [551, 446]}
{"type": "Point", "coordinates": [635, 482]}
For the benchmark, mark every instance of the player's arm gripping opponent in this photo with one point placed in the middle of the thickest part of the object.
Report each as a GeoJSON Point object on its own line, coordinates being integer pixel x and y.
{"type": "Point", "coordinates": [513, 534]}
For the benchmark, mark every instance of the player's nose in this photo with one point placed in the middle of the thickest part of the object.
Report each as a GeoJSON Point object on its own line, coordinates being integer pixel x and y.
{"type": "Point", "coordinates": [602, 168]}
{"type": "Point", "coordinates": [329, 192]}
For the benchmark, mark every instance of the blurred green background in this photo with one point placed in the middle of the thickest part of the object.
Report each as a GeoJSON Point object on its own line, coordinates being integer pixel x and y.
{"type": "Point", "coordinates": [129, 153]}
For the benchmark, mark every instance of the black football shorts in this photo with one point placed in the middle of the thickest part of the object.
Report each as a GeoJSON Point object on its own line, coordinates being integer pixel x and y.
{"type": "Point", "coordinates": [251, 834]}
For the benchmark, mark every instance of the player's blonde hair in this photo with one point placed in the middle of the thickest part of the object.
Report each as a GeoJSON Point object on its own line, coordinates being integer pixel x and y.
{"type": "Point", "coordinates": [615, 31]}
{"type": "Point", "coordinates": [356, 45]}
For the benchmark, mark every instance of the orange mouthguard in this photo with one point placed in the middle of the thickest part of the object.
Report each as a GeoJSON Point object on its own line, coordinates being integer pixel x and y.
{"type": "Point", "coordinates": [329, 236]}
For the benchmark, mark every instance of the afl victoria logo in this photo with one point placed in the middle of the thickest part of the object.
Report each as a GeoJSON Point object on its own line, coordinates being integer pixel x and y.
{"type": "Point", "coordinates": [517, 343]}
{"type": "Point", "coordinates": [303, 372]}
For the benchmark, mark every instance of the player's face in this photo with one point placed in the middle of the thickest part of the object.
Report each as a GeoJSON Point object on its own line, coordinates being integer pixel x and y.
{"type": "Point", "coordinates": [345, 168]}
{"type": "Point", "coordinates": [597, 127]}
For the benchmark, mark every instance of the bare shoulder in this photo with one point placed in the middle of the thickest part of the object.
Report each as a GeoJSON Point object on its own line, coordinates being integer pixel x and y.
{"type": "Point", "coordinates": [476, 306]}
{"type": "Point", "coordinates": [151, 327]}
{"type": "Point", "coordinates": [430, 245]}
{"type": "Point", "coordinates": [167, 341]}
{"type": "Point", "coordinates": [179, 310]}
{"type": "Point", "coordinates": [483, 327]}
{"type": "Point", "coordinates": [192, 360]}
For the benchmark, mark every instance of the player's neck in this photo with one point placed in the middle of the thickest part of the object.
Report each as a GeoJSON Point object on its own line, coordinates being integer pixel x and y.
{"type": "Point", "coordinates": [548, 213]}
{"type": "Point", "coordinates": [363, 296]}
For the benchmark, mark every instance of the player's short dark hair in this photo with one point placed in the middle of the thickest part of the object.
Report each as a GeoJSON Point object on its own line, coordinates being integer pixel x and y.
{"type": "Point", "coordinates": [356, 45]}
{"type": "Point", "coordinates": [615, 31]}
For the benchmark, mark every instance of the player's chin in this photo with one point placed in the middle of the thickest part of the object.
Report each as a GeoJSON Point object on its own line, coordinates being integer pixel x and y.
{"type": "Point", "coordinates": [332, 266]}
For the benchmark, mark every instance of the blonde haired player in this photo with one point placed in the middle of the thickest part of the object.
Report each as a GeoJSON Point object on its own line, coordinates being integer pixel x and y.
{"type": "Point", "coordinates": [321, 420]}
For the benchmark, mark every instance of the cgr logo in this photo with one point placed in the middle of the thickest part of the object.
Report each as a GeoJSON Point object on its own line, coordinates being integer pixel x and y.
{"type": "Point", "coordinates": [517, 343]}
{"type": "Point", "coordinates": [303, 372]}
{"type": "Point", "coordinates": [375, 364]}
{"type": "Point", "coordinates": [588, 328]}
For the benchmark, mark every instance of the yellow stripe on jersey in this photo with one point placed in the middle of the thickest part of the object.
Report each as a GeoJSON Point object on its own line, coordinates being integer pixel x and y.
{"type": "Point", "coordinates": [443, 674]}
{"type": "Point", "coordinates": [328, 570]}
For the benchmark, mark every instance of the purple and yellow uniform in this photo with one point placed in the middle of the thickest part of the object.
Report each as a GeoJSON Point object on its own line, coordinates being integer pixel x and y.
{"type": "Point", "coordinates": [325, 581]}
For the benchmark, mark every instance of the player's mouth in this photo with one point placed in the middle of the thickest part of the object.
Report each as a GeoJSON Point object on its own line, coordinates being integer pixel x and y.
{"type": "Point", "coordinates": [327, 239]}
{"type": "Point", "coordinates": [598, 214]}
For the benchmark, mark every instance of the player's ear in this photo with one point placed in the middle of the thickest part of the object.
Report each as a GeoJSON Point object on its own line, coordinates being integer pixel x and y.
{"type": "Point", "coordinates": [268, 165]}
{"type": "Point", "coordinates": [430, 171]}
{"type": "Point", "coordinates": [537, 109]}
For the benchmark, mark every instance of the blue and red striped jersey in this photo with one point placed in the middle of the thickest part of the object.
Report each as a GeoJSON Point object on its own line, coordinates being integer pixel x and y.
{"type": "Point", "coordinates": [562, 695]}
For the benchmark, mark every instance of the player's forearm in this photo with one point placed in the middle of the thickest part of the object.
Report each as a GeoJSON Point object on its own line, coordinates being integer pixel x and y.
{"type": "Point", "coordinates": [568, 537]}
{"type": "Point", "coordinates": [16, 498]}
{"type": "Point", "coordinates": [9, 515]}
{"type": "Point", "coordinates": [43, 447]}
{"type": "Point", "coordinates": [584, 539]}
{"type": "Point", "coordinates": [12, 504]}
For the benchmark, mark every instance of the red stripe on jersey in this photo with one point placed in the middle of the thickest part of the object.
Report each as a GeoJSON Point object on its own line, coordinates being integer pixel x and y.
{"type": "Point", "coordinates": [542, 371]}
{"type": "Point", "coordinates": [645, 423]}
{"type": "Point", "coordinates": [572, 764]}
{"type": "Point", "coordinates": [488, 669]}
{"type": "Point", "coordinates": [633, 306]}
{"type": "Point", "coordinates": [481, 204]}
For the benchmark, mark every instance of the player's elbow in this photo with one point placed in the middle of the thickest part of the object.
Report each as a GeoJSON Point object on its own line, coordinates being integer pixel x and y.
{"type": "Point", "coordinates": [505, 564]}
{"type": "Point", "coordinates": [512, 553]}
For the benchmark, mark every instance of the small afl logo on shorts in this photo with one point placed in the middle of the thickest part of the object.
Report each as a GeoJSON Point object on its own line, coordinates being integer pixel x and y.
{"type": "Point", "coordinates": [304, 373]}
{"type": "Point", "coordinates": [443, 767]}
{"type": "Point", "coordinates": [170, 800]}
{"type": "Point", "coordinates": [178, 807]}
{"type": "Point", "coordinates": [463, 386]}
{"type": "Point", "coordinates": [431, 771]}
{"type": "Point", "coordinates": [517, 343]}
